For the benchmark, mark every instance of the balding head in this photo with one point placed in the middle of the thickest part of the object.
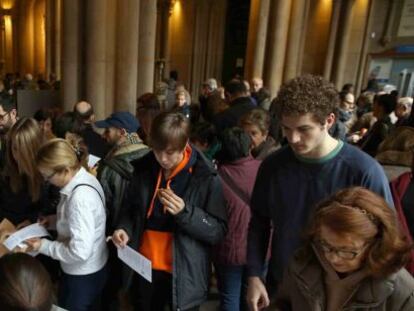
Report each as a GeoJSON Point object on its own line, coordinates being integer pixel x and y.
{"type": "Point", "coordinates": [257, 84]}
{"type": "Point", "coordinates": [84, 110]}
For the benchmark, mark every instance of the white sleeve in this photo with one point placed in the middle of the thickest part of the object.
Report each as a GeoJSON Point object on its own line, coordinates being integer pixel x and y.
{"type": "Point", "coordinates": [79, 246]}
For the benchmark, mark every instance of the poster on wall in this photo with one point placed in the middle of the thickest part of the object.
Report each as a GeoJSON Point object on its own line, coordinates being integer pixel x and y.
{"type": "Point", "coordinates": [381, 69]}
{"type": "Point", "coordinates": [406, 28]}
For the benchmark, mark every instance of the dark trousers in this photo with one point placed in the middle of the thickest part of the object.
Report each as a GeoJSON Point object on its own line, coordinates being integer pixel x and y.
{"type": "Point", "coordinates": [81, 292]}
{"type": "Point", "coordinates": [155, 296]}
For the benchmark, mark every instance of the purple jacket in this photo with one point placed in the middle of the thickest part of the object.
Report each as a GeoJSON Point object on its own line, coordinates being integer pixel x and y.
{"type": "Point", "coordinates": [233, 248]}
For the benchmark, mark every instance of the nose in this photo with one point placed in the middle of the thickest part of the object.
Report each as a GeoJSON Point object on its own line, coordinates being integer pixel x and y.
{"type": "Point", "coordinates": [293, 137]}
{"type": "Point", "coordinates": [333, 258]}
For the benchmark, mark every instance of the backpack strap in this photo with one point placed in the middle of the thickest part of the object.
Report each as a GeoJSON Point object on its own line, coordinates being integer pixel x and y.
{"type": "Point", "coordinates": [233, 186]}
{"type": "Point", "coordinates": [90, 186]}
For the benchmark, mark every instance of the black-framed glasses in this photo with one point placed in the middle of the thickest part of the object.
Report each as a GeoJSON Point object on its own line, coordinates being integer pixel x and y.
{"type": "Point", "coordinates": [2, 116]}
{"type": "Point", "coordinates": [341, 253]}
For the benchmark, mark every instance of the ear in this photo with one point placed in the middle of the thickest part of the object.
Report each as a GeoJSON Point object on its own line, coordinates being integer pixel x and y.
{"type": "Point", "coordinates": [13, 113]}
{"type": "Point", "coordinates": [330, 120]}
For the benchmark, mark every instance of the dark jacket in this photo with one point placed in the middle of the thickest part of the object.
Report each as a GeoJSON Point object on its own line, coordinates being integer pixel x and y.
{"type": "Point", "coordinates": [303, 289]}
{"type": "Point", "coordinates": [95, 143]}
{"type": "Point", "coordinates": [231, 116]}
{"type": "Point", "coordinates": [114, 174]}
{"type": "Point", "coordinates": [376, 135]}
{"type": "Point", "coordinates": [200, 225]}
{"type": "Point", "coordinates": [232, 250]}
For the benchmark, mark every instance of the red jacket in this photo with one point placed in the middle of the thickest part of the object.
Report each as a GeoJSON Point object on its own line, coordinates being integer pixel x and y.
{"type": "Point", "coordinates": [398, 188]}
{"type": "Point", "coordinates": [232, 249]}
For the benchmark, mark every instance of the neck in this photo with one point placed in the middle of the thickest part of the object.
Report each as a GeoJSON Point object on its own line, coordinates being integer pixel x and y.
{"type": "Point", "coordinates": [167, 173]}
{"type": "Point", "coordinates": [327, 146]}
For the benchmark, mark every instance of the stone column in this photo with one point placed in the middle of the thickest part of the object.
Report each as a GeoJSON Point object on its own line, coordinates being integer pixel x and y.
{"type": "Point", "coordinates": [127, 55]}
{"type": "Point", "coordinates": [96, 55]}
{"type": "Point", "coordinates": [57, 42]}
{"type": "Point", "coordinates": [342, 44]}
{"type": "Point", "coordinates": [296, 28]}
{"type": "Point", "coordinates": [146, 46]}
{"type": "Point", "coordinates": [278, 33]}
{"type": "Point", "coordinates": [336, 6]}
{"type": "Point", "coordinates": [165, 7]}
{"type": "Point", "coordinates": [260, 42]}
{"type": "Point", "coordinates": [216, 32]}
{"type": "Point", "coordinates": [71, 56]}
{"type": "Point", "coordinates": [49, 30]}
{"type": "Point", "coordinates": [110, 56]}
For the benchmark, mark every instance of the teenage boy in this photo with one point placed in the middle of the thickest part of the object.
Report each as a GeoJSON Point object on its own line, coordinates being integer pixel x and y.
{"type": "Point", "coordinates": [291, 181]}
{"type": "Point", "coordinates": [173, 213]}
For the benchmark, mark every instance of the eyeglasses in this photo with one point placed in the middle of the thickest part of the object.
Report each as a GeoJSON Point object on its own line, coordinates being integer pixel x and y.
{"type": "Point", "coordinates": [341, 253]}
{"type": "Point", "coordinates": [2, 116]}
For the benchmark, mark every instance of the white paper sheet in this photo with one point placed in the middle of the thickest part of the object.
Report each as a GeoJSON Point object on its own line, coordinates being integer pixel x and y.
{"type": "Point", "coordinates": [33, 231]}
{"type": "Point", "coordinates": [92, 160]}
{"type": "Point", "coordinates": [136, 261]}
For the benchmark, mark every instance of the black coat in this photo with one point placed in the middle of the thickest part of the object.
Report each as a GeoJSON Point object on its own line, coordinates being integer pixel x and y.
{"type": "Point", "coordinates": [200, 225]}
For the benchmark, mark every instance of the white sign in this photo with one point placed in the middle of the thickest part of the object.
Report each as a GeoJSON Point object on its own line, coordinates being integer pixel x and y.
{"type": "Point", "coordinates": [33, 231]}
{"type": "Point", "coordinates": [136, 262]}
{"type": "Point", "coordinates": [406, 28]}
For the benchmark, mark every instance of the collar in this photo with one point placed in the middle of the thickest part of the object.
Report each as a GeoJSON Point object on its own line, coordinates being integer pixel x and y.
{"type": "Point", "coordinates": [76, 179]}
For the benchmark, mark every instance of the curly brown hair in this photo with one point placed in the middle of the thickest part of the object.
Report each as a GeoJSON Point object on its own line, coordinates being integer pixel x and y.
{"type": "Point", "coordinates": [359, 212]}
{"type": "Point", "coordinates": [307, 94]}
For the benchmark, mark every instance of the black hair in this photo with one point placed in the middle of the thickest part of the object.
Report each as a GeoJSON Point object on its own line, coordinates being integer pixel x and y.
{"type": "Point", "coordinates": [236, 144]}
{"type": "Point", "coordinates": [204, 133]}
{"type": "Point", "coordinates": [387, 101]}
{"type": "Point", "coordinates": [7, 102]}
{"type": "Point", "coordinates": [42, 115]}
{"type": "Point", "coordinates": [67, 122]}
{"type": "Point", "coordinates": [235, 87]}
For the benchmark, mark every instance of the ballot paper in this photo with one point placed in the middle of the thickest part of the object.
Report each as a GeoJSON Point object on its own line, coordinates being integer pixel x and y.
{"type": "Point", "coordinates": [92, 160]}
{"type": "Point", "coordinates": [136, 262]}
{"type": "Point", "coordinates": [33, 231]}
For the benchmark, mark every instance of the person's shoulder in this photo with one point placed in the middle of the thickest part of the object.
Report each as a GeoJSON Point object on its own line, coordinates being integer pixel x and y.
{"type": "Point", "coordinates": [403, 284]}
{"type": "Point", "coordinates": [279, 157]}
{"type": "Point", "coordinates": [146, 161]}
{"type": "Point", "coordinates": [356, 156]}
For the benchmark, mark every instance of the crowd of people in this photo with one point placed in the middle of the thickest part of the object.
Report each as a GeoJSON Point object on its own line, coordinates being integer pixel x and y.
{"type": "Point", "coordinates": [283, 200]}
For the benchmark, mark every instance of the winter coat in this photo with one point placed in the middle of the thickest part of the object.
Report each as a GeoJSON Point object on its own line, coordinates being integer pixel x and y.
{"type": "Point", "coordinates": [200, 225]}
{"type": "Point", "coordinates": [232, 250]}
{"type": "Point", "coordinates": [114, 174]}
{"type": "Point", "coordinates": [303, 289]}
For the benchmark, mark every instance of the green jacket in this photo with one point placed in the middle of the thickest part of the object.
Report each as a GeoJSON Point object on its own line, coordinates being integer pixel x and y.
{"type": "Point", "coordinates": [114, 173]}
{"type": "Point", "coordinates": [303, 289]}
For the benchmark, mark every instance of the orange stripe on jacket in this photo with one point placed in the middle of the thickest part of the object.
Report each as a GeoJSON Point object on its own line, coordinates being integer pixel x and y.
{"type": "Point", "coordinates": [157, 245]}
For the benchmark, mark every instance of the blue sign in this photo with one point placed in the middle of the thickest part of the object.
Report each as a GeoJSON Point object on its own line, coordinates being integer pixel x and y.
{"type": "Point", "coordinates": [405, 49]}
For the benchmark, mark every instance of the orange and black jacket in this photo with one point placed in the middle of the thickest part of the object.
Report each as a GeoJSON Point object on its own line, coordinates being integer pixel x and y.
{"type": "Point", "coordinates": [192, 232]}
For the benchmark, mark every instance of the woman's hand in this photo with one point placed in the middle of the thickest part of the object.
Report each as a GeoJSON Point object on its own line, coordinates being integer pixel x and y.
{"type": "Point", "coordinates": [34, 244]}
{"type": "Point", "coordinates": [120, 238]}
{"type": "Point", "coordinates": [172, 202]}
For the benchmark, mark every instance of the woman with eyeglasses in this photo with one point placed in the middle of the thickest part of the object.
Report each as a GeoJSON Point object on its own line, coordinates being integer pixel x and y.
{"type": "Point", "coordinates": [353, 260]}
{"type": "Point", "coordinates": [80, 246]}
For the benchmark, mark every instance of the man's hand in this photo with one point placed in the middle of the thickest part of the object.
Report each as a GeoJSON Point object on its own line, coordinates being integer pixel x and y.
{"type": "Point", "coordinates": [257, 297]}
{"type": "Point", "coordinates": [120, 238]}
{"type": "Point", "coordinates": [173, 204]}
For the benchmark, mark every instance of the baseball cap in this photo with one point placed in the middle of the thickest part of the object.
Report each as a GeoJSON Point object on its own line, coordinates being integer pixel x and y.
{"type": "Point", "coordinates": [120, 119]}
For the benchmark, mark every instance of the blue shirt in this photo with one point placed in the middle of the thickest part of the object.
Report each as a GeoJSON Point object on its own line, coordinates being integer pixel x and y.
{"type": "Point", "coordinates": [288, 188]}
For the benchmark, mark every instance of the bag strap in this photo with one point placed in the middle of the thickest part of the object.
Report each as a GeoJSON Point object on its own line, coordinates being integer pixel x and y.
{"type": "Point", "coordinates": [90, 186]}
{"type": "Point", "coordinates": [233, 186]}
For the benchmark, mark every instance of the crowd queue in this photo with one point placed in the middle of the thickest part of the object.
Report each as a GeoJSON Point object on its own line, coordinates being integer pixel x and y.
{"type": "Point", "coordinates": [283, 203]}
